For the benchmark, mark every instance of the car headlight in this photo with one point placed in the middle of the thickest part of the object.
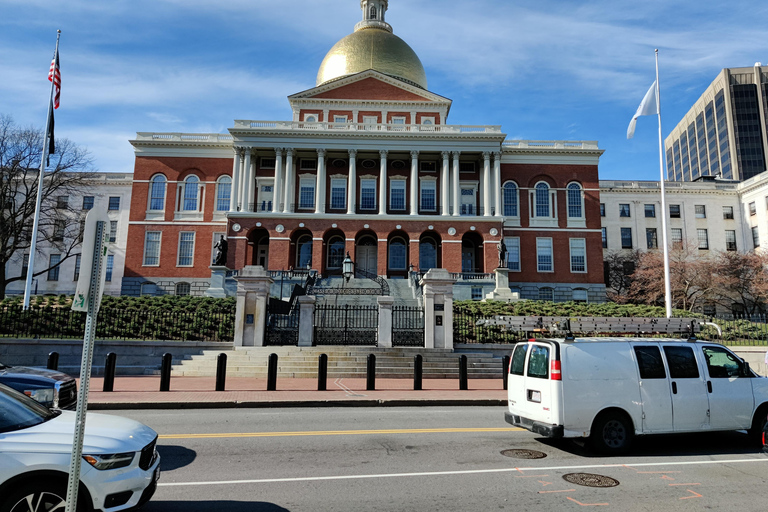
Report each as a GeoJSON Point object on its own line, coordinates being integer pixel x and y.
{"type": "Point", "coordinates": [44, 396]}
{"type": "Point", "coordinates": [111, 461]}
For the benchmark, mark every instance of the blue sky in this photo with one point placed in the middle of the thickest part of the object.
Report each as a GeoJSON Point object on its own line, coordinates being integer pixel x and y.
{"type": "Point", "coordinates": [543, 69]}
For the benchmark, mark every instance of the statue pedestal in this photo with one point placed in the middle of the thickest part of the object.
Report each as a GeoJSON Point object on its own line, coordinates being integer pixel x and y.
{"type": "Point", "coordinates": [218, 276]}
{"type": "Point", "coordinates": [502, 291]}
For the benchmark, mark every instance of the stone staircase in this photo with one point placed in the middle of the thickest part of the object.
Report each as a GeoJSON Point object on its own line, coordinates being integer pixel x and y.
{"type": "Point", "coordinates": [343, 362]}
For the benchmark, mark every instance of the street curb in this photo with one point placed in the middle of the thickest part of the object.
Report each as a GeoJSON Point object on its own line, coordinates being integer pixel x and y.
{"type": "Point", "coordinates": [112, 406]}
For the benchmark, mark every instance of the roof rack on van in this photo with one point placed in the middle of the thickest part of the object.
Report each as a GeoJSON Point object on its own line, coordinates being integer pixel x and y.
{"type": "Point", "coordinates": [567, 326]}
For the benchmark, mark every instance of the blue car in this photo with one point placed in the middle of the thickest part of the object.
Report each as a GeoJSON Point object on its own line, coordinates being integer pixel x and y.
{"type": "Point", "coordinates": [53, 389]}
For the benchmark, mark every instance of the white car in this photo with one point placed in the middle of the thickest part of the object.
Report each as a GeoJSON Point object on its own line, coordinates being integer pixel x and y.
{"type": "Point", "coordinates": [120, 466]}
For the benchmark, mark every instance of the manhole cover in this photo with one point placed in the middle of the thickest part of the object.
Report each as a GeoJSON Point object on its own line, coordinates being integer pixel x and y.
{"type": "Point", "coordinates": [524, 454]}
{"type": "Point", "coordinates": [590, 480]}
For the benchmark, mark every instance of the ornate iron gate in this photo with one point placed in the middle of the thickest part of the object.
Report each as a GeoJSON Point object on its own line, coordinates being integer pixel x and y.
{"type": "Point", "coordinates": [407, 326]}
{"type": "Point", "coordinates": [280, 328]}
{"type": "Point", "coordinates": [346, 325]}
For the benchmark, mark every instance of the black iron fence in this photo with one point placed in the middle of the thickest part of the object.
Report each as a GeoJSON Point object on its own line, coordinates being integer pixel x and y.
{"type": "Point", "coordinates": [739, 330]}
{"type": "Point", "coordinates": [346, 325]}
{"type": "Point", "coordinates": [407, 326]}
{"type": "Point", "coordinates": [282, 324]}
{"type": "Point", "coordinates": [466, 330]}
{"type": "Point", "coordinates": [116, 324]}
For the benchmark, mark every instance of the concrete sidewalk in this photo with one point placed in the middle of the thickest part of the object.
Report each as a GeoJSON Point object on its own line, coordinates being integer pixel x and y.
{"type": "Point", "coordinates": [199, 393]}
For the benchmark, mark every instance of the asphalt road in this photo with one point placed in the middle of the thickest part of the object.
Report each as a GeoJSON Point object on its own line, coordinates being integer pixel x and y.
{"type": "Point", "coordinates": [437, 458]}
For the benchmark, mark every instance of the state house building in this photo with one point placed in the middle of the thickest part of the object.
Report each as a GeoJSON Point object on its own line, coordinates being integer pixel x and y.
{"type": "Point", "coordinates": [367, 165]}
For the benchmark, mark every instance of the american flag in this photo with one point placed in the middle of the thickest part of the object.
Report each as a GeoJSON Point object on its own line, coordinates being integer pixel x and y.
{"type": "Point", "coordinates": [54, 75]}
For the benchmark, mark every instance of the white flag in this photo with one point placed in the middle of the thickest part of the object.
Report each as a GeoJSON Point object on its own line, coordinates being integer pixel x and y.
{"type": "Point", "coordinates": [648, 107]}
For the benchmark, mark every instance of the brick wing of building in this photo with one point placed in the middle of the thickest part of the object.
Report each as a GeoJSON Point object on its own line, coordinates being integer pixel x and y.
{"type": "Point", "coordinates": [367, 165]}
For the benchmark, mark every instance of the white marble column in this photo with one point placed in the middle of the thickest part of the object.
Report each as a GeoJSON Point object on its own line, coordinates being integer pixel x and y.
{"type": "Point", "coordinates": [290, 178]}
{"type": "Point", "coordinates": [414, 182]}
{"type": "Point", "coordinates": [445, 184]}
{"type": "Point", "coordinates": [488, 191]}
{"type": "Point", "coordinates": [277, 188]}
{"type": "Point", "coordinates": [234, 195]}
{"type": "Point", "coordinates": [320, 185]}
{"type": "Point", "coordinates": [248, 182]}
{"type": "Point", "coordinates": [497, 182]}
{"type": "Point", "coordinates": [384, 185]}
{"type": "Point", "coordinates": [456, 186]}
{"type": "Point", "coordinates": [352, 185]}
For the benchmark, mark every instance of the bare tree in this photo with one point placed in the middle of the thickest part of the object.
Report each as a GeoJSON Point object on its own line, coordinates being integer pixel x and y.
{"type": "Point", "coordinates": [60, 224]}
{"type": "Point", "coordinates": [618, 267]}
{"type": "Point", "coordinates": [742, 278]}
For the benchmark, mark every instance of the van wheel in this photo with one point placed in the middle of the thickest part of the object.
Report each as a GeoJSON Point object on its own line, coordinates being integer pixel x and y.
{"type": "Point", "coordinates": [611, 433]}
{"type": "Point", "coordinates": [758, 424]}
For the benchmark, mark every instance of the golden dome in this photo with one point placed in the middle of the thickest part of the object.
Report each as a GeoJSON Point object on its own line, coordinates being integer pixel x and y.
{"type": "Point", "coordinates": [372, 48]}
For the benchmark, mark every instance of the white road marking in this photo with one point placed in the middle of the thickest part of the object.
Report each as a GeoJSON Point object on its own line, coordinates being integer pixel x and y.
{"type": "Point", "coordinates": [466, 472]}
{"type": "Point", "coordinates": [346, 389]}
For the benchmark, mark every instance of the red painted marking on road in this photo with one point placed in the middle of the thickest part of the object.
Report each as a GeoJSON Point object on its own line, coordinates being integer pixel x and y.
{"type": "Point", "coordinates": [531, 476]}
{"type": "Point", "coordinates": [695, 495]}
{"type": "Point", "coordinates": [657, 472]}
{"type": "Point", "coordinates": [549, 492]}
{"type": "Point", "coordinates": [665, 477]}
{"type": "Point", "coordinates": [673, 485]}
{"type": "Point", "coordinates": [544, 484]}
{"type": "Point", "coordinates": [588, 504]}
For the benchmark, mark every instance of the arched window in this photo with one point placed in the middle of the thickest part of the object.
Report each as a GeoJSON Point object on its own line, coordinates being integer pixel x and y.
{"type": "Point", "coordinates": [223, 193]}
{"type": "Point", "coordinates": [547, 293]}
{"type": "Point", "coordinates": [157, 193]}
{"type": "Point", "coordinates": [427, 254]}
{"type": "Point", "coordinates": [191, 194]}
{"type": "Point", "coordinates": [575, 201]}
{"type": "Point", "coordinates": [397, 254]}
{"type": "Point", "coordinates": [373, 12]}
{"type": "Point", "coordinates": [182, 289]}
{"type": "Point", "coordinates": [541, 199]}
{"type": "Point", "coordinates": [336, 248]}
{"type": "Point", "coordinates": [510, 199]}
{"type": "Point", "coordinates": [304, 252]}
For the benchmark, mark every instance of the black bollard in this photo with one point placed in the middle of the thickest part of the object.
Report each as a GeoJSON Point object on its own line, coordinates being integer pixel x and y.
{"type": "Point", "coordinates": [417, 371]}
{"type": "Point", "coordinates": [272, 373]}
{"type": "Point", "coordinates": [504, 370]}
{"type": "Point", "coordinates": [53, 361]}
{"type": "Point", "coordinates": [165, 372]}
{"type": "Point", "coordinates": [463, 373]}
{"type": "Point", "coordinates": [109, 372]}
{"type": "Point", "coordinates": [322, 373]}
{"type": "Point", "coordinates": [221, 372]}
{"type": "Point", "coordinates": [370, 382]}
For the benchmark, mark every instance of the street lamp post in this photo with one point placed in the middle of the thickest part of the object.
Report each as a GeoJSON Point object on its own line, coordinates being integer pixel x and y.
{"type": "Point", "coordinates": [348, 266]}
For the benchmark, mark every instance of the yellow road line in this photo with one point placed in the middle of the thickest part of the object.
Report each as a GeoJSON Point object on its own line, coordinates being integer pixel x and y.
{"type": "Point", "coordinates": [341, 433]}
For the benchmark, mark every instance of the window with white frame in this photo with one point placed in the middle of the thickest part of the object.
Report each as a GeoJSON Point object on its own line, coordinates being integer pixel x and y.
{"type": "Point", "coordinates": [110, 267]}
{"type": "Point", "coordinates": [310, 118]}
{"type": "Point", "coordinates": [338, 193]}
{"type": "Point", "coordinates": [511, 199]}
{"type": "Point", "coordinates": [703, 237]}
{"type": "Point", "coordinates": [112, 231]}
{"type": "Point", "coordinates": [513, 252]}
{"type": "Point", "coordinates": [541, 202]}
{"type": "Point", "coordinates": [397, 254]}
{"type": "Point", "coordinates": [677, 237]}
{"type": "Point", "coordinates": [544, 255]}
{"type": "Point", "coordinates": [186, 248]}
{"type": "Point", "coordinates": [191, 196]}
{"type": "Point", "coordinates": [755, 237]}
{"type": "Point", "coordinates": [428, 120]}
{"type": "Point", "coordinates": [307, 193]}
{"type": "Point", "coordinates": [304, 251]}
{"type": "Point", "coordinates": [87, 202]}
{"type": "Point", "coordinates": [477, 293]}
{"type": "Point", "coordinates": [701, 211]}
{"type": "Point", "coordinates": [428, 200]}
{"type": "Point", "coordinates": [650, 210]}
{"type": "Point", "coordinates": [727, 212]}
{"type": "Point", "coordinates": [624, 210]}
{"type": "Point", "coordinates": [730, 240]}
{"type": "Point", "coordinates": [157, 192]}
{"type": "Point", "coordinates": [339, 119]}
{"type": "Point", "coordinates": [575, 199]}
{"type": "Point", "coordinates": [368, 194]}
{"type": "Point", "coordinates": [151, 249]}
{"type": "Point", "coordinates": [651, 238]}
{"type": "Point", "coordinates": [182, 289]}
{"type": "Point", "coordinates": [626, 238]}
{"type": "Point", "coordinates": [397, 195]}
{"type": "Point", "coordinates": [468, 202]}
{"type": "Point", "coordinates": [223, 193]}
{"type": "Point", "coordinates": [578, 255]}
{"type": "Point", "coordinates": [53, 264]}
{"type": "Point", "coordinates": [114, 203]}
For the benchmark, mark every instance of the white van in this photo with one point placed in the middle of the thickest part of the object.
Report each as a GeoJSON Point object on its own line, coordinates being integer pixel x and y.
{"type": "Point", "coordinates": [611, 389]}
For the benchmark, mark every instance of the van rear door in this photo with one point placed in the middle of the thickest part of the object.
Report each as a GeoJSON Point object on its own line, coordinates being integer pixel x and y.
{"type": "Point", "coordinates": [541, 390]}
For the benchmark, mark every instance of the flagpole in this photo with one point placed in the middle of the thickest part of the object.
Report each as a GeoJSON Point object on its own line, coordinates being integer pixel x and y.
{"type": "Point", "coordinates": [33, 243]}
{"type": "Point", "coordinates": [667, 287]}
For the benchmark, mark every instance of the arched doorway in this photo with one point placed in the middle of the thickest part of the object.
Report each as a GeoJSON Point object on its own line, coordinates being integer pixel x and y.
{"type": "Point", "coordinates": [301, 245]}
{"type": "Point", "coordinates": [335, 246]}
{"type": "Point", "coordinates": [259, 238]}
{"type": "Point", "coordinates": [471, 253]}
{"type": "Point", "coordinates": [366, 255]}
{"type": "Point", "coordinates": [429, 251]}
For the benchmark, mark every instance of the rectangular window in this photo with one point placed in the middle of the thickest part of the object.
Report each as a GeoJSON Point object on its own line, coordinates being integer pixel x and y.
{"type": "Point", "coordinates": [110, 267]}
{"type": "Point", "coordinates": [674, 211]}
{"type": "Point", "coordinates": [186, 248]}
{"type": "Point", "coordinates": [755, 238]}
{"type": "Point", "coordinates": [624, 210]}
{"type": "Point", "coordinates": [650, 210]}
{"type": "Point", "coordinates": [152, 248]}
{"type": "Point", "coordinates": [113, 231]}
{"type": "Point", "coordinates": [752, 209]}
{"type": "Point", "coordinates": [477, 293]}
{"type": "Point", "coordinates": [538, 362]}
{"type": "Point", "coordinates": [308, 164]}
{"type": "Point", "coordinates": [307, 193]}
{"type": "Point", "coordinates": [427, 166]}
{"type": "Point", "coordinates": [703, 237]}
{"type": "Point", "coordinates": [87, 202]}
{"type": "Point", "coordinates": [466, 167]}
{"type": "Point", "coordinates": [651, 238]}
{"type": "Point", "coordinates": [626, 238]}
{"type": "Point", "coordinates": [544, 254]}
{"type": "Point", "coordinates": [114, 203]}
{"type": "Point", "coordinates": [339, 119]}
{"type": "Point", "coordinates": [58, 230]}
{"type": "Point", "coordinates": [267, 162]}
{"type": "Point", "coordinates": [428, 195]}
{"type": "Point", "coordinates": [730, 240]}
{"type": "Point", "coordinates": [650, 363]}
{"type": "Point", "coordinates": [397, 195]}
{"type": "Point", "coordinates": [338, 194]}
{"type": "Point", "coordinates": [513, 253]}
{"type": "Point", "coordinates": [605, 238]}
{"type": "Point", "coordinates": [677, 238]}
{"type": "Point", "coordinates": [728, 212]}
{"type": "Point", "coordinates": [518, 359]}
{"type": "Point", "coordinates": [578, 255]}
{"type": "Point", "coordinates": [602, 209]}
{"type": "Point", "coordinates": [367, 194]}
{"type": "Point", "coordinates": [78, 259]}
{"type": "Point", "coordinates": [24, 265]}
{"type": "Point", "coordinates": [681, 362]}
{"type": "Point", "coordinates": [53, 273]}
{"type": "Point", "coordinates": [62, 202]}
{"type": "Point", "coordinates": [701, 211]}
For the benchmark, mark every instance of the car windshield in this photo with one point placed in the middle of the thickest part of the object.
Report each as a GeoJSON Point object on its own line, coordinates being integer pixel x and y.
{"type": "Point", "coordinates": [17, 411]}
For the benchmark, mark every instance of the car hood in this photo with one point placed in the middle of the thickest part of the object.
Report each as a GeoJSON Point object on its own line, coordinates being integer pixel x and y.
{"type": "Point", "coordinates": [27, 375]}
{"type": "Point", "coordinates": [103, 434]}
